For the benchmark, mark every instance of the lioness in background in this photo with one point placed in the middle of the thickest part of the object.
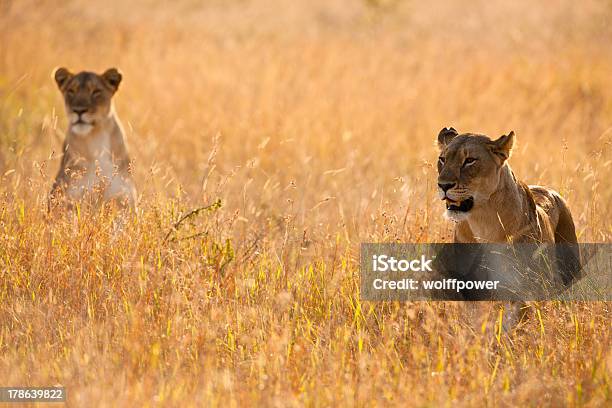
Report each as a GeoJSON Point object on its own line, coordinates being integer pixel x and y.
{"type": "Point", "coordinates": [490, 205]}
{"type": "Point", "coordinates": [95, 165]}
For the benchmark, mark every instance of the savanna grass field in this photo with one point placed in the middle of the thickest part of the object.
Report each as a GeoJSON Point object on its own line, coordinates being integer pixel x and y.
{"type": "Point", "coordinates": [269, 139]}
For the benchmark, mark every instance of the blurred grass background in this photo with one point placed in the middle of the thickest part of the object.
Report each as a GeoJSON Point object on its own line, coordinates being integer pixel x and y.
{"type": "Point", "coordinates": [314, 123]}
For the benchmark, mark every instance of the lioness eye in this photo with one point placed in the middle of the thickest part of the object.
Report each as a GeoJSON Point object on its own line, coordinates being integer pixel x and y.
{"type": "Point", "coordinates": [96, 93]}
{"type": "Point", "coordinates": [469, 161]}
{"type": "Point", "coordinates": [70, 93]}
{"type": "Point", "coordinates": [441, 160]}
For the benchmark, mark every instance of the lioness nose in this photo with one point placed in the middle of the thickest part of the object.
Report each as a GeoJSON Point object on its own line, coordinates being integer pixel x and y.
{"type": "Point", "coordinates": [446, 186]}
{"type": "Point", "coordinates": [79, 111]}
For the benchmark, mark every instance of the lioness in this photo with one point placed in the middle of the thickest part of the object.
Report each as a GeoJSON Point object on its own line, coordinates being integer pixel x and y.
{"type": "Point", "coordinates": [95, 165]}
{"type": "Point", "coordinates": [487, 201]}
{"type": "Point", "coordinates": [490, 205]}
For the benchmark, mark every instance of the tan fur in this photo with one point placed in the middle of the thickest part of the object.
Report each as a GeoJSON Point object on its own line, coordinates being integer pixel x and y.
{"type": "Point", "coordinates": [95, 165]}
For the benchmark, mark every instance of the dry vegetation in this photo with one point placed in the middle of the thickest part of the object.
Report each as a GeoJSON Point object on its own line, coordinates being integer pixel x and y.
{"type": "Point", "coordinates": [313, 122]}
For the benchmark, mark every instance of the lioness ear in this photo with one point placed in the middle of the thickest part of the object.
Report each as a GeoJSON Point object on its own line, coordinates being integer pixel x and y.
{"type": "Point", "coordinates": [61, 75]}
{"type": "Point", "coordinates": [503, 146]}
{"type": "Point", "coordinates": [113, 77]}
{"type": "Point", "coordinates": [445, 136]}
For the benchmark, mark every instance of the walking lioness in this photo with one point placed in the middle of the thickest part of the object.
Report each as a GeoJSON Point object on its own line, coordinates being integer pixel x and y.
{"type": "Point", "coordinates": [95, 165]}
{"type": "Point", "coordinates": [490, 205]}
{"type": "Point", "coordinates": [487, 201]}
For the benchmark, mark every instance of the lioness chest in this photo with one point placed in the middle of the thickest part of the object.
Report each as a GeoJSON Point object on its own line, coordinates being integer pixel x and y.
{"type": "Point", "coordinates": [523, 222]}
{"type": "Point", "coordinates": [98, 175]}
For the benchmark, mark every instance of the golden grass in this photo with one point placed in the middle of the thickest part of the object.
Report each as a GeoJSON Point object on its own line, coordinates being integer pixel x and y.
{"type": "Point", "coordinates": [313, 122]}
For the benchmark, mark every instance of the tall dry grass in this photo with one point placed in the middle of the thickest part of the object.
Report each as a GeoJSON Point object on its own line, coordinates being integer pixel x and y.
{"type": "Point", "coordinates": [313, 122]}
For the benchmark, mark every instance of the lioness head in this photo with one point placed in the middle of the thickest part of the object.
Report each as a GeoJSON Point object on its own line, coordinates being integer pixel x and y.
{"type": "Point", "coordinates": [87, 96]}
{"type": "Point", "coordinates": [469, 169]}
